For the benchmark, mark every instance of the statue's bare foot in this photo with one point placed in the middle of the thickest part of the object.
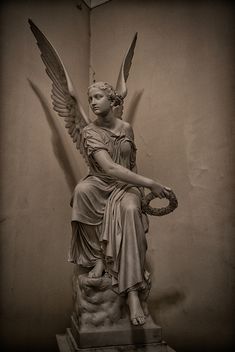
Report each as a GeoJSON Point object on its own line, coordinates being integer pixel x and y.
{"type": "Point", "coordinates": [98, 269]}
{"type": "Point", "coordinates": [137, 315]}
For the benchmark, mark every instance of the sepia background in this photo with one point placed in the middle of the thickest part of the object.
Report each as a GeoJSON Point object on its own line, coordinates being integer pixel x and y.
{"type": "Point", "coordinates": [181, 106]}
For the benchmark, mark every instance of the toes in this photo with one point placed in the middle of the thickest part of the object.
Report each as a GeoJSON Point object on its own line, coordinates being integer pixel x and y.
{"type": "Point", "coordinates": [141, 320]}
{"type": "Point", "coordinates": [134, 321]}
{"type": "Point", "coordinates": [138, 321]}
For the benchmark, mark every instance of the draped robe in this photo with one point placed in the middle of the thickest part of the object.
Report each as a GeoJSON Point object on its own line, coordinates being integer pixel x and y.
{"type": "Point", "coordinates": [107, 219]}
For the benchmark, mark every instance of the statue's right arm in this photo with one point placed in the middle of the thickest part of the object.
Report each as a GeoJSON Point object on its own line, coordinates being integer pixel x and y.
{"type": "Point", "coordinates": [123, 174]}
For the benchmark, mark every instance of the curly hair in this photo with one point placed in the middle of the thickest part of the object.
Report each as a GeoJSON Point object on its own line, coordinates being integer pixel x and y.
{"type": "Point", "coordinates": [109, 91]}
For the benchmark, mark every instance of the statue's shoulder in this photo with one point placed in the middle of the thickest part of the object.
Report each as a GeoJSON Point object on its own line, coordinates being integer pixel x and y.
{"type": "Point", "coordinates": [128, 129]}
{"type": "Point", "coordinates": [93, 131]}
{"type": "Point", "coordinates": [90, 127]}
{"type": "Point", "coordinates": [87, 127]}
{"type": "Point", "coordinates": [127, 126]}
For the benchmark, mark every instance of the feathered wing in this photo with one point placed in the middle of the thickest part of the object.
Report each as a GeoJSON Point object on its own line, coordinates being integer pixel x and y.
{"type": "Point", "coordinates": [64, 99]}
{"type": "Point", "coordinates": [121, 87]}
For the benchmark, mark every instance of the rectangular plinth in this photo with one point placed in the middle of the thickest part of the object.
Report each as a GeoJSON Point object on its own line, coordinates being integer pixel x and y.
{"type": "Point", "coordinates": [119, 334]}
{"type": "Point", "coordinates": [66, 344]}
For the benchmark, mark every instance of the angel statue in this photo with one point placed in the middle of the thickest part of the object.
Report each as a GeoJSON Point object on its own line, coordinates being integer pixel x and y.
{"type": "Point", "coordinates": [109, 206]}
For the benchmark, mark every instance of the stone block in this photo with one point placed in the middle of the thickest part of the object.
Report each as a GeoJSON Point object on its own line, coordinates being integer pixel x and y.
{"type": "Point", "coordinates": [121, 333]}
{"type": "Point", "coordinates": [66, 343]}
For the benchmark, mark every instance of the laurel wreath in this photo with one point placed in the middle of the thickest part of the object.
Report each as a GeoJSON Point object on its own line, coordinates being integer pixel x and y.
{"type": "Point", "coordinates": [146, 208]}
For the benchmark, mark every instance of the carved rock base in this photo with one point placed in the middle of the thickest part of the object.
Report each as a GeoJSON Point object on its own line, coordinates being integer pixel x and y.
{"type": "Point", "coordinates": [96, 304]}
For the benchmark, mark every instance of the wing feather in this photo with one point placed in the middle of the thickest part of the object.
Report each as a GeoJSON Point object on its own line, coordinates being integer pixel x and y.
{"type": "Point", "coordinates": [71, 129]}
{"type": "Point", "coordinates": [55, 80]}
{"type": "Point", "coordinates": [60, 107]}
{"type": "Point", "coordinates": [121, 87]}
{"type": "Point", "coordinates": [68, 124]}
{"type": "Point", "coordinates": [56, 96]}
{"type": "Point", "coordinates": [62, 110]}
{"type": "Point", "coordinates": [68, 119]}
{"type": "Point", "coordinates": [64, 99]}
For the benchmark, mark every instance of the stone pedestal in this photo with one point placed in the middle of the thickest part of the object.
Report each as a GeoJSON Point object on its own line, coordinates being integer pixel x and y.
{"type": "Point", "coordinates": [101, 322]}
{"type": "Point", "coordinates": [66, 343]}
{"type": "Point", "coordinates": [121, 333]}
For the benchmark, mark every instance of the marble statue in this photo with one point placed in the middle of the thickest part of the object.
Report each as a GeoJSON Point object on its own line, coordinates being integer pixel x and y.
{"type": "Point", "coordinates": [109, 206]}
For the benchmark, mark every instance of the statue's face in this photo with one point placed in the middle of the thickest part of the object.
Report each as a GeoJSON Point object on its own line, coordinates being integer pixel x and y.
{"type": "Point", "coordinates": [99, 101]}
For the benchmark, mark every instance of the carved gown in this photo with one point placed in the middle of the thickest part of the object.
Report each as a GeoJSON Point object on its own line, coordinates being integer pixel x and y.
{"type": "Point", "coordinates": [107, 220]}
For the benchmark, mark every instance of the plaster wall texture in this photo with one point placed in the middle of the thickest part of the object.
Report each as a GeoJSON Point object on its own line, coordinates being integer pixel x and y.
{"type": "Point", "coordinates": [39, 168]}
{"type": "Point", "coordinates": [181, 106]}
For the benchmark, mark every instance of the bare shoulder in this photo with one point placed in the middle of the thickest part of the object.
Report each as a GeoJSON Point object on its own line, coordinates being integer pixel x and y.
{"type": "Point", "coordinates": [128, 128]}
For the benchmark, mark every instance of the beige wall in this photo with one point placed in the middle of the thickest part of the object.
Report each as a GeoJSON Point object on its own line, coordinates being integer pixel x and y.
{"type": "Point", "coordinates": [39, 168]}
{"type": "Point", "coordinates": [181, 92]}
{"type": "Point", "coordinates": [180, 104]}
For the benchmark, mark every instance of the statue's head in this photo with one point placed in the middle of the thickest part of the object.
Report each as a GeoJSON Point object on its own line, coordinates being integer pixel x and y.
{"type": "Point", "coordinates": [109, 91]}
{"type": "Point", "coordinates": [116, 101]}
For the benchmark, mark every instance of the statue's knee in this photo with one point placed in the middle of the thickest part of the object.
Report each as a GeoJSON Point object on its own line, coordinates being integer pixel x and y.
{"type": "Point", "coordinates": [130, 207]}
{"type": "Point", "coordinates": [81, 189]}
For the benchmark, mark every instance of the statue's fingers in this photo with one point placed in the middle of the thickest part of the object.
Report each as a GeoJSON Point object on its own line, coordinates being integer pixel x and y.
{"type": "Point", "coordinates": [166, 192]}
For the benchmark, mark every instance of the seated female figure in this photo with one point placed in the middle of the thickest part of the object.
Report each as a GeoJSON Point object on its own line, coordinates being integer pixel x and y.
{"type": "Point", "coordinates": [108, 227]}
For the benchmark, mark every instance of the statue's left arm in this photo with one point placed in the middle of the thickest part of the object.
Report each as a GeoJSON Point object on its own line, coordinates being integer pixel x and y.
{"type": "Point", "coordinates": [121, 173]}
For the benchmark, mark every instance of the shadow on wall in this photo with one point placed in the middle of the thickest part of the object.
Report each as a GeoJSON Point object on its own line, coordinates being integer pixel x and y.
{"type": "Point", "coordinates": [133, 106]}
{"type": "Point", "coordinates": [171, 298]}
{"type": "Point", "coordinates": [57, 141]}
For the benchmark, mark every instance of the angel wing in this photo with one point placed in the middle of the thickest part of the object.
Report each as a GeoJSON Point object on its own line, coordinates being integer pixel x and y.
{"type": "Point", "coordinates": [121, 87]}
{"type": "Point", "coordinates": [64, 98]}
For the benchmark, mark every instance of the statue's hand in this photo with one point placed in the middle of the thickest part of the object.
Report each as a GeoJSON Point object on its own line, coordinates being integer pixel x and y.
{"type": "Point", "coordinates": [169, 194]}
{"type": "Point", "coordinates": [159, 191]}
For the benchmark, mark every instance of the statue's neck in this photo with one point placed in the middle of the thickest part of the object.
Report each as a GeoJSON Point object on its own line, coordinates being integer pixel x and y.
{"type": "Point", "coordinates": [108, 121]}
{"type": "Point", "coordinates": [112, 124]}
